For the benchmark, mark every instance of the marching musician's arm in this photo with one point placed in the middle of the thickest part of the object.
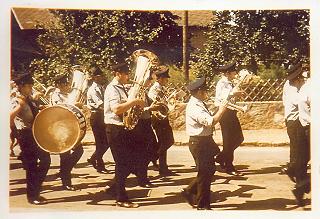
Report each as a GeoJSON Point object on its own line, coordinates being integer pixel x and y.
{"type": "Point", "coordinates": [123, 107]}
{"type": "Point", "coordinates": [237, 93]}
{"type": "Point", "coordinates": [219, 113]}
{"type": "Point", "coordinates": [16, 109]}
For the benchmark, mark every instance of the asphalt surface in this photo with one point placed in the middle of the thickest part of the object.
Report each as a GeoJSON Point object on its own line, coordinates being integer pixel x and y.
{"type": "Point", "coordinates": [260, 188]}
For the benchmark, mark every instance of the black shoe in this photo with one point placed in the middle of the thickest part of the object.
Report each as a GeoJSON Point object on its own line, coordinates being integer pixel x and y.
{"type": "Point", "coordinates": [57, 176]}
{"type": "Point", "coordinates": [110, 190]}
{"type": "Point", "coordinates": [289, 173]}
{"type": "Point", "coordinates": [104, 171]}
{"type": "Point", "coordinates": [37, 202]}
{"type": "Point", "coordinates": [204, 208]}
{"type": "Point", "coordinates": [69, 188]}
{"type": "Point", "coordinates": [298, 194]}
{"type": "Point", "coordinates": [147, 185]}
{"type": "Point", "coordinates": [221, 163]}
{"type": "Point", "coordinates": [127, 204]}
{"type": "Point", "coordinates": [232, 171]}
{"type": "Point", "coordinates": [92, 162]}
{"type": "Point", "coordinates": [188, 197]}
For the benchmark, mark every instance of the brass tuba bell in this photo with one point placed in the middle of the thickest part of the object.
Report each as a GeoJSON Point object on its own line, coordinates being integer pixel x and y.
{"type": "Point", "coordinates": [143, 60]}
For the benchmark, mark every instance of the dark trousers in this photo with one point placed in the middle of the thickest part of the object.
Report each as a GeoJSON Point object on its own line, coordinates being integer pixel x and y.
{"type": "Point", "coordinates": [36, 162]}
{"type": "Point", "coordinates": [302, 157]}
{"type": "Point", "coordinates": [294, 133]}
{"type": "Point", "coordinates": [203, 150]}
{"type": "Point", "coordinates": [143, 140]}
{"type": "Point", "coordinates": [99, 133]}
{"type": "Point", "coordinates": [119, 142]}
{"type": "Point", "coordinates": [232, 137]}
{"type": "Point", "coordinates": [67, 161]}
{"type": "Point", "coordinates": [165, 141]}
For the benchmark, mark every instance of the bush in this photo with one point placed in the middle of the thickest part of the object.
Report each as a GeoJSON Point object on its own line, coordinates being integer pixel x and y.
{"type": "Point", "coordinates": [274, 72]}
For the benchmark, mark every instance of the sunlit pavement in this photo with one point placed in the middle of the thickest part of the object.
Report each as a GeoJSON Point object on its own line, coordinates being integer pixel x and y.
{"type": "Point", "coordinates": [260, 188]}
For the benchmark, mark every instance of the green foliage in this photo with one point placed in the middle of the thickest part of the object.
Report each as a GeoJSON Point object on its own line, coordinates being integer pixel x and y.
{"type": "Point", "coordinates": [254, 37]}
{"type": "Point", "coordinates": [177, 76]}
{"type": "Point", "coordinates": [103, 38]}
{"type": "Point", "coordinates": [274, 72]}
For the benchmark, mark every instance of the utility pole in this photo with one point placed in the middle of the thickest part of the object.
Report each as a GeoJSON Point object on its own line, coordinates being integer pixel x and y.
{"type": "Point", "coordinates": [185, 47]}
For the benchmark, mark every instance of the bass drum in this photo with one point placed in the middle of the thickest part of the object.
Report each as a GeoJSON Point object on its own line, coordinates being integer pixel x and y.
{"type": "Point", "coordinates": [58, 129]}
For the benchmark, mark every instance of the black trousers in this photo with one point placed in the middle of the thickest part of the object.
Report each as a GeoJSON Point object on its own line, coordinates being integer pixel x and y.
{"type": "Point", "coordinates": [36, 162]}
{"type": "Point", "coordinates": [143, 142]}
{"type": "Point", "coordinates": [294, 133]}
{"type": "Point", "coordinates": [120, 145]}
{"type": "Point", "coordinates": [67, 161]}
{"type": "Point", "coordinates": [232, 136]}
{"type": "Point", "coordinates": [302, 157]}
{"type": "Point", "coordinates": [203, 150]}
{"type": "Point", "coordinates": [165, 140]}
{"type": "Point", "coordinates": [100, 137]}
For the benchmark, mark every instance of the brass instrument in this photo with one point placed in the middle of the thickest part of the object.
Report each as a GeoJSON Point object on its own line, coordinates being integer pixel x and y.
{"type": "Point", "coordinates": [79, 86]}
{"type": "Point", "coordinates": [144, 60]}
{"type": "Point", "coordinates": [232, 106]}
{"type": "Point", "coordinates": [59, 128]}
{"type": "Point", "coordinates": [243, 76]}
{"type": "Point", "coordinates": [44, 92]}
{"type": "Point", "coordinates": [166, 103]}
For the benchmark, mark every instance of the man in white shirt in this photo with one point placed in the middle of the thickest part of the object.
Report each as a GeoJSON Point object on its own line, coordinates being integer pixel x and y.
{"type": "Point", "coordinates": [290, 100]}
{"type": "Point", "coordinates": [302, 185]}
{"type": "Point", "coordinates": [115, 104]}
{"type": "Point", "coordinates": [35, 161]}
{"type": "Point", "coordinates": [230, 125]}
{"type": "Point", "coordinates": [199, 126]}
{"type": "Point", "coordinates": [70, 158]}
{"type": "Point", "coordinates": [162, 127]}
{"type": "Point", "coordinates": [95, 104]}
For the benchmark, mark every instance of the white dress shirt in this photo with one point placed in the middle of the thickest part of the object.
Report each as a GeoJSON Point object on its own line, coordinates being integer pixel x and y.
{"type": "Point", "coordinates": [304, 103]}
{"type": "Point", "coordinates": [290, 98]}
{"type": "Point", "coordinates": [114, 95]}
{"type": "Point", "coordinates": [198, 118]}
{"type": "Point", "coordinates": [223, 90]}
{"type": "Point", "coordinates": [154, 91]}
{"type": "Point", "coordinates": [24, 118]}
{"type": "Point", "coordinates": [95, 97]}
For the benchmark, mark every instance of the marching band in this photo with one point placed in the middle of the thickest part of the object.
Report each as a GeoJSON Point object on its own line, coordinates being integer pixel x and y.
{"type": "Point", "coordinates": [127, 123]}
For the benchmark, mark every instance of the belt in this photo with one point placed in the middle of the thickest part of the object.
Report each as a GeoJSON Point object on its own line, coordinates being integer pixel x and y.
{"type": "Point", "coordinates": [199, 137]}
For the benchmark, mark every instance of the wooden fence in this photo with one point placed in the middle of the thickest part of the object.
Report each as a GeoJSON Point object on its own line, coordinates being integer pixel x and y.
{"type": "Point", "coordinates": [255, 90]}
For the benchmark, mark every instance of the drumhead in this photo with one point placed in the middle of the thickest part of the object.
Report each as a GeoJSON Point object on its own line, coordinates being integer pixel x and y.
{"type": "Point", "coordinates": [56, 129]}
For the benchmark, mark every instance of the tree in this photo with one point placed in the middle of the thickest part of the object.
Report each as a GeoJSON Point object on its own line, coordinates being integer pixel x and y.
{"type": "Point", "coordinates": [253, 38]}
{"type": "Point", "coordinates": [103, 38]}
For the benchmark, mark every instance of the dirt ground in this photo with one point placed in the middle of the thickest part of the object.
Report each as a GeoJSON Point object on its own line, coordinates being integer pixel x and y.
{"type": "Point", "coordinates": [260, 188]}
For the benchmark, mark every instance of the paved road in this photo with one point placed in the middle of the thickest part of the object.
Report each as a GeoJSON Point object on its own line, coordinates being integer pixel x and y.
{"type": "Point", "coordinates": [260, 188]}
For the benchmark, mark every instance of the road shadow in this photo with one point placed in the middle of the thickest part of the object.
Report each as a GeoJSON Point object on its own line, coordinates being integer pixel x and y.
{"type": "Point", "coordinates": [279, 204]}
{"type": "Point", "coordinates": [15, 166]}
{"type": "Point", "coordinates": [265, 170]}
{"type": "Point", "coordinates": [242, 192]}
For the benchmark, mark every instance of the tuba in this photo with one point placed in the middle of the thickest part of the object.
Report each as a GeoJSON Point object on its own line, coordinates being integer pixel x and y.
{"type": "Point", "coordinates": [143, 61]}
{"type": "Point", "coordinates": [59, 128]}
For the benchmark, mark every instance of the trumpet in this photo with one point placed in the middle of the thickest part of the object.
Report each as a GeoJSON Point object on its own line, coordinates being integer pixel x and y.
{"type": "Point", "coordinates": [41, 92]}
{"type": "Point", "coordinates": [231, 106]}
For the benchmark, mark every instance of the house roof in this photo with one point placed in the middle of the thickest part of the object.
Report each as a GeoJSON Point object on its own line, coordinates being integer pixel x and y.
{"type": "Point", "coordinates": [195, 17]}
{"type": "Point", "coordinates": [29, 18]}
